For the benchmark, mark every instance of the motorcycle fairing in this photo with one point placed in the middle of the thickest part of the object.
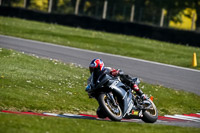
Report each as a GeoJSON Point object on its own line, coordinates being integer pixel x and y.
{"type": "Point", "coordinates": [117, 88]}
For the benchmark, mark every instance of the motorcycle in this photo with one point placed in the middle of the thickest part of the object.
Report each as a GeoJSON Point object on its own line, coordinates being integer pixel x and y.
{"type": "Point", "coordinates": [117, 101]}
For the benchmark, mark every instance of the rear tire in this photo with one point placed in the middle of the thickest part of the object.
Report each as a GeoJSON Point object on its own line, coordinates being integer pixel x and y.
{"type": "Point", "coordinates": [107, 107]}
{"type": "Point", "coordinates": [151, 115]}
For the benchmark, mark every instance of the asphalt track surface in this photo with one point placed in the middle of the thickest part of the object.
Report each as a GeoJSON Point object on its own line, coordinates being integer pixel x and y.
{"type": "Point", "coordinates": [151, 72]}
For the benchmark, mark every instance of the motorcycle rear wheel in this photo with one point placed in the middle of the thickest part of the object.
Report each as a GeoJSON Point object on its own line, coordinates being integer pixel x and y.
{"type": "Point", "coordinates": [150, 115]}
{"type": "Point", "coordinates": [107, 107]}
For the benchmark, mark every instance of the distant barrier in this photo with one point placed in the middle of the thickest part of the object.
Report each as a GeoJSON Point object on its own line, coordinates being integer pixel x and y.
{"type": "Point", "coordinates": [191, 38]}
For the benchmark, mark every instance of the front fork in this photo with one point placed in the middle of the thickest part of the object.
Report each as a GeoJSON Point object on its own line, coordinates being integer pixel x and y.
{"type": "Point", "coordinates": [112, 104]}
{"type": "Point", "coordinates": [111, 97]}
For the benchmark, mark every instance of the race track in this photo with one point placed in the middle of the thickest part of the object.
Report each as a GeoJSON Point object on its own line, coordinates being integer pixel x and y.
{"type": "Point", "coordinates": [150, 72]}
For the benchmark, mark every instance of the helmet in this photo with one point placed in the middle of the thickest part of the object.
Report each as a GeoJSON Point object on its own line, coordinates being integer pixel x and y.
{"type": "Point", "coordinates": [96, 65]}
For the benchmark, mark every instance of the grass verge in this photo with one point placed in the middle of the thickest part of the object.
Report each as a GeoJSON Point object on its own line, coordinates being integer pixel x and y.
{"type": "Point", "coordinates": [29, 83]}
{"type": "Point", "coordinates": [100, 41]}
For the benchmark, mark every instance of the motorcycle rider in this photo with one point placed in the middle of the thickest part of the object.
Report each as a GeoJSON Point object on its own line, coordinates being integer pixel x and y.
{"type": "Point", "coordinates": [97, 68]}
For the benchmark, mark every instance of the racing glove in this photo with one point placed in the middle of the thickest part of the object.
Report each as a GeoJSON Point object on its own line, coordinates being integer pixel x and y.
{"type": "Point", "coordinates": [114, 72]}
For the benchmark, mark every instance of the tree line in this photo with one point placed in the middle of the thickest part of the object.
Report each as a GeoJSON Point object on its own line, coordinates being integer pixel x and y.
{"type": "Point", "coordinates": [145, 10]}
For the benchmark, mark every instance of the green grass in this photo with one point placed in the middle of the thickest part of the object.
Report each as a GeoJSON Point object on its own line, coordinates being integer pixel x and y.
{"type": "Point", "coordinates": [100, 41]}
{"type": "Point", "coordinates": [29, 83]}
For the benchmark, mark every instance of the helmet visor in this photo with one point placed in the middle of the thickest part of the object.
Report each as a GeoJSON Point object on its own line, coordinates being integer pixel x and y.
{"type": "Point", "coordinates": [91, 70]}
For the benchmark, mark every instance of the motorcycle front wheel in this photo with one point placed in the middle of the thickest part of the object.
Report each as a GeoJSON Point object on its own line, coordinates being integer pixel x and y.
{"type": "Point", "coordinates": [113, 112]}
{"type": "Point", "coordinates": [100, 113]}
{"type": "Point", "coordinates": [150, 115]}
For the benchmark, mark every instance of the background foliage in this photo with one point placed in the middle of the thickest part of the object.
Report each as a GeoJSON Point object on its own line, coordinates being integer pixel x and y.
{"type": "Point", "coordinates": [146, 11]}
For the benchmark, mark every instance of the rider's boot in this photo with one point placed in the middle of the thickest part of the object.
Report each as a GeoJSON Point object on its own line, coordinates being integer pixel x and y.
{"type": "Point", "coordinates": [139, 91]}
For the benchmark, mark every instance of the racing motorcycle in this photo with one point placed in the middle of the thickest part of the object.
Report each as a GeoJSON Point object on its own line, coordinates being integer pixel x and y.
{"type": "Point", "coordinates": [118, 101]}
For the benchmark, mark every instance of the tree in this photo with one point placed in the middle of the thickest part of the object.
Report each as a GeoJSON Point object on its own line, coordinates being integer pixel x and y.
{"type": "Point", "coordinates": [174, 7]}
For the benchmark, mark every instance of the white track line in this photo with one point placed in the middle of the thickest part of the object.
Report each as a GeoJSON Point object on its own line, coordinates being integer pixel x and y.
{"type": "Point", "coordinates": [189, 117]}
{"type": "Point", "coordinates": [52, 114]}
{"type": "Point", "coordinates": [65, 115]}
{"type": "Point", "coordinates": [182, 117]}
{"type": "Point", "coordinates": [73, 115]}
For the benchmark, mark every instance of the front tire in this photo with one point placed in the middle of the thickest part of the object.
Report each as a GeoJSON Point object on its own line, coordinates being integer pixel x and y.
{"type": "Point", "coordinates": [113, 112]}
{"type": "Point", "coordinates": [150, 115]}
{"type": "Point", "coordinates": [100, 113]}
